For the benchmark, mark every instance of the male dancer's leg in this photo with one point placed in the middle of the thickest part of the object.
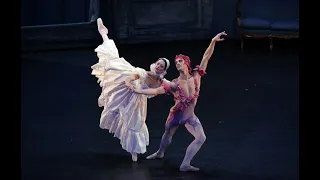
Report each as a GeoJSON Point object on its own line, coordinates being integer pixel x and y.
{"type": "Point", "coordinates": [197, 131]}
{"type": "Point", "coordinates": [165, 141]}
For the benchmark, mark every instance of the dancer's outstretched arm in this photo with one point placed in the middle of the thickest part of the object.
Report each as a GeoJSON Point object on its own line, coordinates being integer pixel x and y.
{"type": "Point", "coordinates": [208, 53]}
{"type": "Point", "coordinates": [163, 89]}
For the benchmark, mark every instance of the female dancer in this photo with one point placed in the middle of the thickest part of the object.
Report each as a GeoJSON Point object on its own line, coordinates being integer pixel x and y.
{"type": "Point", "coordinates": [124, 112]}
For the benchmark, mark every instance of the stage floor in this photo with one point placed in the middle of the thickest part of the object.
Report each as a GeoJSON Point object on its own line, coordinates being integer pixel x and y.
{"type": "Point", "coordinates": [248, 106]}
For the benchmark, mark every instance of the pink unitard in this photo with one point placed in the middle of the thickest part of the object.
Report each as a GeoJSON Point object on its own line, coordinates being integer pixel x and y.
{"type": "Point", "coordinates": [182, 102]}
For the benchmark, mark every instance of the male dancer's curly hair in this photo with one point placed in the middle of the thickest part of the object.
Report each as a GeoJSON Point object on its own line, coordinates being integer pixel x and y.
{"type": "Point", "coordinates": [186, 60]}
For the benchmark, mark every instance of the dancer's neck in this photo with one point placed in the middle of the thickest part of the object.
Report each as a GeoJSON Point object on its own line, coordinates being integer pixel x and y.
{"type": "Point", "coordinates": [184, 75]}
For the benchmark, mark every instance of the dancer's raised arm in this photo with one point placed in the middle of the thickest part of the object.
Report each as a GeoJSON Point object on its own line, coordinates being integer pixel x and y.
{"type": "Point", "coordinates": [208, 53]}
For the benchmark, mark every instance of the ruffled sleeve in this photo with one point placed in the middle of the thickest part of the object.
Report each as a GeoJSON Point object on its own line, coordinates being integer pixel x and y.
{"type": "Point", "coordinates": [166, 87]}
{"type": "Point", "coordinates": [199, 70]}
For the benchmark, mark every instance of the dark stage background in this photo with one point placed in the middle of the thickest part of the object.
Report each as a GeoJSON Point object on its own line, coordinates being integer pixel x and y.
{"type": "Point", "coordinates": [70, 23]}
{"type": "Point", "coordinates": [213, 15]}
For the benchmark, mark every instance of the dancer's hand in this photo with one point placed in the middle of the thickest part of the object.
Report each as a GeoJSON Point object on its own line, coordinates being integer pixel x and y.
{"type": "Point", "coordinates": [218, 36]}
{"type": "Point", "coordinates": [130, 86]}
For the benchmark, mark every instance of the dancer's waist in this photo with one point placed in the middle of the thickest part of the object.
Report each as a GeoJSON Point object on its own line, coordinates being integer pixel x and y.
{"type": "Point", "coordinates": [181, 107]}
{"type": "Point", "coordinates": [183, 115]}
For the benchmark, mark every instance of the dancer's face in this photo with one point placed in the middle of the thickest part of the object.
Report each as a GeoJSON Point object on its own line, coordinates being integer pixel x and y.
{"type": "Point", "coordinates": [180, 65]}
{"type": "Point", "coordinates": [160, 66]}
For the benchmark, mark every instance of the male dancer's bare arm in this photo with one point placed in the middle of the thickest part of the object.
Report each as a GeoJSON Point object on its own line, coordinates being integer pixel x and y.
{"type": "Point", "coordinates": [209, 51]}
{"type": "Point", "coordinates": [163, 89]}
{"type": "Point", "coordinates": [207, 55]}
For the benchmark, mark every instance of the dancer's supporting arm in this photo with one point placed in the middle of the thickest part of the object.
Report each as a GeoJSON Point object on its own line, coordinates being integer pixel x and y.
{"type": "Point", "coordinates": [165, 88]}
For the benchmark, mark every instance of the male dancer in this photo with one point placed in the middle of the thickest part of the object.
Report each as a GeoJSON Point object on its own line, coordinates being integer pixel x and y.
{"type": "Point", "coordinates": [185, 89]}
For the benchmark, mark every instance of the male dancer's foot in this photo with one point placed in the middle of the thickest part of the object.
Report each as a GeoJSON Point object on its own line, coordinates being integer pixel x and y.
{"type": "Point", "coordinates": [185, 168]}
{"type": "Point", "coordinates": [134, 157]}
{"type": "Point", "coordinates": [102, 29]}
{"type": "Point", "coordinates": [156, 155]}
